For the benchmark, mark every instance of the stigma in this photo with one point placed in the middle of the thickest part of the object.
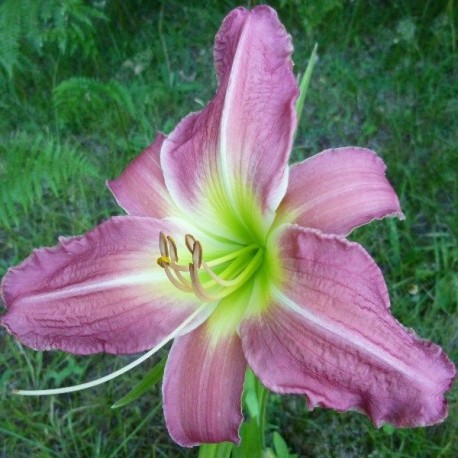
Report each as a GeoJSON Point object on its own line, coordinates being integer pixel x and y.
{"type": "Point", "coordinates": [209, 280]}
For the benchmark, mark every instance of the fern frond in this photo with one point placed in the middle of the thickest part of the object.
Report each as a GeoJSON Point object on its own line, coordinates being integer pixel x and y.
{"type": "Point", "coordinates": [31, 169]}
{"type": "Point", "coordinates": [10, 33]}
{"type": "Point", "coordinates": [31, 25]}
{"type": "Point", "coordinates": [81, 101]}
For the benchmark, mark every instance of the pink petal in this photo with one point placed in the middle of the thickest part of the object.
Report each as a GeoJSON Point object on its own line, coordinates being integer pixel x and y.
{"type": "Point", "coordinates": [202, 389]}
{"type": "Point", "coordinates": [329, 335]}
{"type": "Point", "coordinates": [340, 189]}
{"type": "Point", "coordinates": [102, 291]}
{"type": "Point", "coordinates": [140, 190]}
{"type": "Point", "coordinates": [244, 135]}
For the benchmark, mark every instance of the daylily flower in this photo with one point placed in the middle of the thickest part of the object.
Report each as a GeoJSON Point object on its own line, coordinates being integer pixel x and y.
{"type": "Point", "coordinates": [242, 260]}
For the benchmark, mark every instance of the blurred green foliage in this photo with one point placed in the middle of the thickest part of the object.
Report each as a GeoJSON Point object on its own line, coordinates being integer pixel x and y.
{"type": "Point", "coordinates": [37, 30]}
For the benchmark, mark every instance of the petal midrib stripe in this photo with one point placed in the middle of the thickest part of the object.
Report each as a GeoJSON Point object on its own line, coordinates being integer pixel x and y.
{"type": "Point", "coordinates": [106, 283]}
{"type": "Point", "coordinates": [363, 344]}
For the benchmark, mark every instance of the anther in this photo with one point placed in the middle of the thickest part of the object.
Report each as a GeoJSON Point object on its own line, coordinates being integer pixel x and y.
{"type": "Point", "coordinates": [197, 255]}
{"type": "Point", "coordinates": [173, 246]}
{"type": "Point", "coordinates": [189, 240]}
{"type": "Point", "coordinates": [163, 245]}
{"type": "Point", "coordinates": [226, 281]}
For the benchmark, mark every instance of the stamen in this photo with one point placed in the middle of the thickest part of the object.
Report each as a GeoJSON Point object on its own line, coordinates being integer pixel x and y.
{"type": "Point", "coordinates": [179, 284]}
{"type": "Point", "coordinates": [235, 268]}
{"type": "Point", "coordinates": [189, 241]}
{"type": "Point", "coordinates": [230, 256]}
{"type": "Point", "coordinates": [163, 245]}
{"type": "Point", "coordinates": [197, 286]}
{"type": "Point", "coordinates": [176, 269]}
{"type": "Point", "coordinates": [241, 266]}
{"type": "Point", "coordinates": [174, 251]}
{"type": "Point", "coordinates": [246, 273]}
{"type": "Point", "coordinates": [215, 277]}
{"type": "Point", "coordinates": [169, 262]}
{"type": "Point", "coordinates": [197, 254]}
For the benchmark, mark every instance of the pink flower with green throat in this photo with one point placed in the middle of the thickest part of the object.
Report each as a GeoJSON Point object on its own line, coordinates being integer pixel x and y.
{"type": "Point", "coordinates": [242, 260]}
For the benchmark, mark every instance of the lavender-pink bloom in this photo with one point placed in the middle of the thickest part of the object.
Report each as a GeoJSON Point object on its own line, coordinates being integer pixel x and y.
{"type": "Point", "coordinates": [242, 259]}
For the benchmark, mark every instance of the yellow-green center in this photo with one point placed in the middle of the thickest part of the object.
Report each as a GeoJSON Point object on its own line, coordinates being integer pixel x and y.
{"type": "Point", "coordinates": [238, 278]}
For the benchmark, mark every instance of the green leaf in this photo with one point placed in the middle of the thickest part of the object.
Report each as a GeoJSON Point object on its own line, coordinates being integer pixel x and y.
{"type": "Point", "coordinates": [281, 449]}
{"type": "Point", "coordinates": [251, 443]}
{"type": "Point", "coordinates": [221, 450]}
{"type": "Point", "coordinates": [250, 395]}
{"type": "Point", "coordinates": [152, 377]}
{"type": "Point", "coordinates": [305, 81]}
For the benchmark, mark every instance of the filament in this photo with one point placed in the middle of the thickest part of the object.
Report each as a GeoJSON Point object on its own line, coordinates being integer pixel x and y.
{"type": "Point", "coordinates": [173, 247]}
{"type": "Point", "coordinates": [177, 283]}
{"type": "Point", "coordinates": [239, 268]}
{"type": "Point", "coordinates": [230, 256]}
{"type": "Point", "coordinates": [197, 286]}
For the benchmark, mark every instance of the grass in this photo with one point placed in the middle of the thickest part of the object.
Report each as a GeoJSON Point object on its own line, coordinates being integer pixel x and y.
{"type": "Point", "coordinates": [385, 79]}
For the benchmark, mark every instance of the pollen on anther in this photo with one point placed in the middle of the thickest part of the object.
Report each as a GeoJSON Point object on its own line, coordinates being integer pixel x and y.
{"type": "Point", "coordinates": [163, 260]}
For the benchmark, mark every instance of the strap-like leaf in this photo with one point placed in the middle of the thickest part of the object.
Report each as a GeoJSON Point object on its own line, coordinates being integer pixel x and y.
{"type": "Point", "coordinates": [305, 81]}
{"type": "Point", "coordinates": [151, 378]}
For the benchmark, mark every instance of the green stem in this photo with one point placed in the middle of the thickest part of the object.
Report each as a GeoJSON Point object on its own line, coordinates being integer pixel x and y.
{"type": "Point", "coordinates": [263, 396]}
